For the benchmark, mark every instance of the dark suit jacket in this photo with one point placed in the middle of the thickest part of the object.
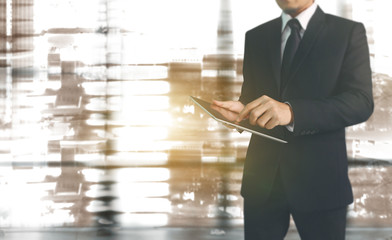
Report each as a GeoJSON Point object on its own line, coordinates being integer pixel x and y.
{"type": "Point", "coordinates": [329, 88]}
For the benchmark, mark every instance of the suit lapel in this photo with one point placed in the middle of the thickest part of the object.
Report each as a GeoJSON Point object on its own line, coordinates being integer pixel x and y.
{"type": "Point", "coordinates": [314, 27]}
{"type": "Point", "coordinates": [274, 48]}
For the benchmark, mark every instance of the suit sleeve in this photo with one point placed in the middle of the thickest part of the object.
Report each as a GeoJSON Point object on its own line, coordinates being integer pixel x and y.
{"type": "Point", "coordinates": [351, 103]}
{"type": "Point", "coordinates": [246, 90]}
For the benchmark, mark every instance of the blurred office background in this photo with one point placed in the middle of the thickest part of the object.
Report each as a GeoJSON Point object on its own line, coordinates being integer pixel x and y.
{"type": "Point", "coordinates": [97, 129]}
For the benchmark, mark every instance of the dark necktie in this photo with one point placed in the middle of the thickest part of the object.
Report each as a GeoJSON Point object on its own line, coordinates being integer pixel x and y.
{"type": "Point", "coordinates": [289, 51]}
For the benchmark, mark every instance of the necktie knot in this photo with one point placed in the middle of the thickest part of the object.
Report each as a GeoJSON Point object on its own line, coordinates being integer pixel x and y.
{"type": "Point", "coordinates": [294, 24]}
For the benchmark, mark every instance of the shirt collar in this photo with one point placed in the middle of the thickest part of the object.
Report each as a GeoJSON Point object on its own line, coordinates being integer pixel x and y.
{"type": "Point", "coordinates": [303, 18]}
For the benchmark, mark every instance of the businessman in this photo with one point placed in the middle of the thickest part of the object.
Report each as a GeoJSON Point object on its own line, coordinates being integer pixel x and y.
{"type": "Point", "coordinates": [307, 76]}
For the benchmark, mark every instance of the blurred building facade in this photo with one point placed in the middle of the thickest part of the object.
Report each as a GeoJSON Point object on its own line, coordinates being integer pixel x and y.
{"type": "Point", "coordinates": [97, 128]}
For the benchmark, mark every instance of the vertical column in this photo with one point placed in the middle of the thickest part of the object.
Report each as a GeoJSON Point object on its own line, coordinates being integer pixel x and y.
{"type": "Point", "coordinates": [219, 70]}
{"type": "Point", "coordinates": [225, 28]}
{"type": "Point", "coordinates": [3, 33]}
{"type": "Point", "coordinates": [21, 60]}
{"type": "Point", "coordinates": [22, 33]}
{"type": "Point", "coordinates": [106, 219]}
{"type": "Point", "coordinates": [3, 59]}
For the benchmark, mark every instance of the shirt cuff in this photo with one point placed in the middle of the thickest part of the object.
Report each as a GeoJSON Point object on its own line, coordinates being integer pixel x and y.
{"type": "Point", "coordinates": [290, 127]}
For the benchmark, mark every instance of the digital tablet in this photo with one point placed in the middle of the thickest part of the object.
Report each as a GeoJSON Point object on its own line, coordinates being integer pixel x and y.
{"type": "Point", "coordinates": [227, 117]}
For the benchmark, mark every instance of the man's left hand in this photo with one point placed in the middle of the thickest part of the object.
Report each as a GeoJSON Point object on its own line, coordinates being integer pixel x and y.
{"type": "Point", "coordinates": [267, 113]}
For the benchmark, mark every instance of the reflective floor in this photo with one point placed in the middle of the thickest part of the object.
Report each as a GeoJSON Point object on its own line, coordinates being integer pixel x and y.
{"type": "Point", "coordinates": [172, 234]}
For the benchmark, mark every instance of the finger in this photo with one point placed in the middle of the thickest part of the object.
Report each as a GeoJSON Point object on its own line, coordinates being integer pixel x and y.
{"type": "Point", "coordinates": [250, 106]}
{"type": "Point", "coordinates": [218, 103]}
{"type": "Point", "coordinates": [219, 109]}
{"type": "Point", "coordinates": [257, 112]}
{"type": "Point", "coordinates": [254, 115]}
{"type": "Point", "coordinates": [264, 119]}
{"type": "Point", "coordinates": [245, 112]}
{"type": "Point", "coordinates": [234, 106]}
{"type": "Point", "coordinates": [271, 124]}
{"type": "Point", "coordinates": [223, 104]}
